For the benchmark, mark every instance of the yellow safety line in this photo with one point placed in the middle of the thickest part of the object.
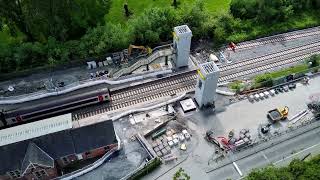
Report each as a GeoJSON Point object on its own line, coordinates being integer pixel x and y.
{"type": "Point", "coordinates": [201, 75]}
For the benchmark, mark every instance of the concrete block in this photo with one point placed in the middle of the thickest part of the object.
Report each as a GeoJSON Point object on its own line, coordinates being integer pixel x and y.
{"type": "Point", "coordinates": [161, 146]}
{"type": "Point", "coordinates": [175, 141]}
{"type": "Point", "coordinates": [159, 153]}
{"type": "Point", "coordinates": [160, 138]}
{"type": "Point", "coordinates": [156, 149]}
{"type": "Point", "coordinates": [170, 143]}
{"type": "Point", "coordinates": [164, 151]}
{"type": "Point", "coordinates": [154, 144]}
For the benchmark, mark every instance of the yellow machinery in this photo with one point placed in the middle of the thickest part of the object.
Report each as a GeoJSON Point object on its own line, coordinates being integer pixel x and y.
{"type": "Point", "coordinates": [278, 114]}
{"type": "Point", "coordinates": [144, 49]}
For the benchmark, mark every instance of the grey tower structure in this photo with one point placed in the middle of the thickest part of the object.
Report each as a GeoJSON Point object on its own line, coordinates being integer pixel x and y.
{"type": "Point", "coordinates": [205, 93]}
{"type": "Point", "coordinates": [182, 42]}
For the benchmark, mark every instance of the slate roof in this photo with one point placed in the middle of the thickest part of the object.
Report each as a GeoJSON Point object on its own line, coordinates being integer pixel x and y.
{"type": "Point", "coordinates": [36, 156]}
{"type": "Point", "coordinates": [56, 145]}
{"type": "Point", "coordinates": [93, 136]}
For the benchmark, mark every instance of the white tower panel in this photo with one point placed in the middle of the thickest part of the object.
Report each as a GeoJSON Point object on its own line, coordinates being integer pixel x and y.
{"type": "Point", "coordinates": [182, 43]}
{"type": "Point", "coordinates": [205, 93]}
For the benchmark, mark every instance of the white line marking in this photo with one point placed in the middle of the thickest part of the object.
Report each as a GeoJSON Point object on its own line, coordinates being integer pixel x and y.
{"type": "Point", "coordinates": [237, 168]}
{"type": "Point", "coordinates": [296, 153]}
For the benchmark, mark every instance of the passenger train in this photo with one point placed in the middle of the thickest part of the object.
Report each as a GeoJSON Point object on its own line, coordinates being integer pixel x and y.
{"type": "Point", "coordinates": [52, 108]}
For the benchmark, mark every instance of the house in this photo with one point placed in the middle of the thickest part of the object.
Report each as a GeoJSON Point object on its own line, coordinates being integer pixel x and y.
{"type": "Point", "coordinates": [42, 157]}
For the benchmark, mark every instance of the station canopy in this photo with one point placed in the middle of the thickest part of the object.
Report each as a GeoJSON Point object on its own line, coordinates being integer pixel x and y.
{"type": "Point", "coordinates": [35, 129]}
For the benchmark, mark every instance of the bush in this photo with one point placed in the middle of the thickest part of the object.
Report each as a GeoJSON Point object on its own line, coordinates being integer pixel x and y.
{"type": "Point", "coordinates": [147, 169]}
{"type": "Point", "coordinates": [263, 80]}
{"type": "Point", "coordinates": [314, 60]}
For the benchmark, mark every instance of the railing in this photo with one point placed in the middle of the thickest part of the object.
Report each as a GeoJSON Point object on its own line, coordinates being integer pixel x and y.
{"type": "Point", "coordinates": [141, 60]}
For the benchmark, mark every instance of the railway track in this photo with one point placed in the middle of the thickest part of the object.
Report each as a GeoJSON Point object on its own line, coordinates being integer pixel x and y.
{"type": "Point", "coordinates": [187, 81]}
{"type": "Point", "coordinates": [145, 92]}
{"type": "Point", "coordinates": [278, 38]}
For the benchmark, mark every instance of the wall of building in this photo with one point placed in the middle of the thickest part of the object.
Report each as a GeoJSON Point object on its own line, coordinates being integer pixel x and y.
{"type": "Point", "coordinates": [97, 152]}
{"type": "Point", "coordinates": [66, 160]}
{"type": "Point", "coordinates": [45, 174]}
{"type": "Point", "coordinates": [31, 174]}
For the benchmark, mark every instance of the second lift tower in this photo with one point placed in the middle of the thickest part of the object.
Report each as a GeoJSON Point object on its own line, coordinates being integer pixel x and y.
{"type": "Point", "coordinates": [205, 92]}
{"type": "Point", "coordinates": [182, 42]}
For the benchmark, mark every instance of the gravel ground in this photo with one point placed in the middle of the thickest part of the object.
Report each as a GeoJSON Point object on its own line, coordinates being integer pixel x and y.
{"type": "Point", "coordinates": [243, 54]}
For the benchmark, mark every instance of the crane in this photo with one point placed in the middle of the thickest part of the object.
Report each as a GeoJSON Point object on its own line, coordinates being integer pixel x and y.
{"type": "Point", "coordinates": [147, 50]}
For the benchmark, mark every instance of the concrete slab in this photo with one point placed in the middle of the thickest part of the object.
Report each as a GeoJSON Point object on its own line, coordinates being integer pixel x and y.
{"type": "Point", "coordinates": [188, 105]}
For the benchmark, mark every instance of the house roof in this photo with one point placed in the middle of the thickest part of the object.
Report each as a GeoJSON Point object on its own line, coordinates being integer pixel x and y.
{"type": "Point", "coordinates": [93, 136]}
{"type": "Point", "coordinates": [36, 156]}
{"type": "Point", "coordinates": [56, 145]}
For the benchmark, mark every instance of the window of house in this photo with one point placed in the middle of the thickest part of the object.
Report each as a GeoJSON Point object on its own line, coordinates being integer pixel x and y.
{"type": "Point", "coordinates": [17, 173]}
{"type": "Point", "coordinates": [37, 174]}
{"type": "Point", "coordinates": [40, 174]}
{"type": "Point", "coordinates": [65, 160]}
{"type": "Point", "coordinates": [14, 174]}
{"type": "Point", "coordinates": [43, 172]}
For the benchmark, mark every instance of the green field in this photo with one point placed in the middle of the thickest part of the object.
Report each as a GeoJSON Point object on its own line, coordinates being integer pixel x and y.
{"type": "Point", "coordinates": [116, 13]}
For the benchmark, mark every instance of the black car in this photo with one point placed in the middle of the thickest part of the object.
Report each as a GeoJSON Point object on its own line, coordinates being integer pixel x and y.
{"type": "Point", "coordinates": [281, 89]}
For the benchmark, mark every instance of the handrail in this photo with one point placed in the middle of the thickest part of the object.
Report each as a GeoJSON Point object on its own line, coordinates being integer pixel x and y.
{"type": "Point", "coordinates": [142, 62]}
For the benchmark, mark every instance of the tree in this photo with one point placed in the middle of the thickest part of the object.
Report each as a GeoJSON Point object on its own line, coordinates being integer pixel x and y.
{"type": "Point", "coordinates": [154, 25]}
{"type": "Point", "coordinates": [126, 9]}
{"type": "Point", "coordinates": [11, 14]}
{"type": "Point", "coordinates": [175, 4]}
{"type": "Point", "coordinates": [196, 17]}
{"type": "Point", "coordinates": [266, 11]}
{"type": "Point", "coordinates": [181, 175]}
{"type": "Point", "coordinates": [62, 19]}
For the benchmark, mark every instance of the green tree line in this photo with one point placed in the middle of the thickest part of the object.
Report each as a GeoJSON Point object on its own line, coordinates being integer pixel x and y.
{"type": "Point", "coordinates": [297, 169]}
{"type": "Point", "coordinates": [60, 31]}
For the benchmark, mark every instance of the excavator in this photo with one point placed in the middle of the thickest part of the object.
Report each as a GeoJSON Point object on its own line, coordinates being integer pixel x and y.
{"type": "Point", "coordinates": [147, 50]}
{"type": "Point", "coordinates": [278, 114]}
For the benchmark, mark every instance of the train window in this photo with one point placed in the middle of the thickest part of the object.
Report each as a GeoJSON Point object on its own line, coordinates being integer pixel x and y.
{"type": "Point", "coordinates": [100, 97]}
{"type": "Point", "coordinates": [60, 108]}
{"type": "Point", "coordinates": [19, 119]}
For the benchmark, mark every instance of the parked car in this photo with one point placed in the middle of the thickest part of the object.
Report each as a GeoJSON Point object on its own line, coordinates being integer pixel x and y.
{"type": "Point", "coordinates": [281, 89]}
{"type": "Point", "coordinates": [286, 88]}
{"type": "Point", "coordinates": [266, 94]}
{"type": "Point", "coordinates": [261, 95]}
{"type": "Point", "coordinates": [256, 97]}
{"type": "Point", "coordinates": [292, 86]}
{"type": "Point", "coordinates": [251, 98]}
{"type": "Point", "coordinates": [272, 92]}
{"type": "Point", "coordinates": [186, 134]}
{"type": "Point", "coordinates": [276, 91]}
